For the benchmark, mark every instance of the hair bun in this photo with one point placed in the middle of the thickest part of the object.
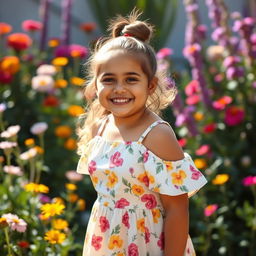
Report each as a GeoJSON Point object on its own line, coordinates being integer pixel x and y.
{"type": "Point", "coordinates": [131, 26]}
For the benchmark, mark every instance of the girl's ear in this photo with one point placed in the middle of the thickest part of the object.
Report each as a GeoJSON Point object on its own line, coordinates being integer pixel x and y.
{"type": "Point", "coordinates": [152, 85]}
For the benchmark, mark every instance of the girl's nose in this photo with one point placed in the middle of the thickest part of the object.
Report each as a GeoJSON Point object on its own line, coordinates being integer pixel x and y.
{"type": "Point", "coordinates": [119, 87]}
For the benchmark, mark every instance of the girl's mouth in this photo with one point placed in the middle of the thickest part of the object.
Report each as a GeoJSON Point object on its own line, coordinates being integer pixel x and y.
{"type": "Point", "coordinates": [120, 101]}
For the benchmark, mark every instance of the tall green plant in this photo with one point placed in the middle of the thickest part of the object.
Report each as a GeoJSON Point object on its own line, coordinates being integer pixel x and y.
{"type": "Point", "coordinates": [160, 13]}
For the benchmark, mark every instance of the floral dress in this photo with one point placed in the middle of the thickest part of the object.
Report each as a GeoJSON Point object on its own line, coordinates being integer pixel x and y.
{"type": "Point", "coordinates": [127, 216]}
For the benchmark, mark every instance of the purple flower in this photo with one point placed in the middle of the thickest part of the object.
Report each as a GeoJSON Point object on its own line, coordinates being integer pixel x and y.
{"type": "Point", "coordinates": [191, 7]}
{"type": "Point", "coordinates": [234, 72]}
{"type": "Point", "coordinates": [218, 34]}
{"type": "Point", "coordinates": [231, 61]}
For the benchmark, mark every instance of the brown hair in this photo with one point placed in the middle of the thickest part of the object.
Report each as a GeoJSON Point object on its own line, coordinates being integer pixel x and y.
{"type": "Point", "coordinates": [131, 36]}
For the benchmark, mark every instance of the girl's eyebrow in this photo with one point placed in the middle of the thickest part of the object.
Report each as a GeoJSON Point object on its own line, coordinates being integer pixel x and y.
{"type": "Point", "coordinates": [128, 73]}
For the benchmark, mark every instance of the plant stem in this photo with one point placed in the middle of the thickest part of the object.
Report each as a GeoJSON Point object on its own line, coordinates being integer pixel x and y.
{"type": "Point", "coordinates": [8, 241]}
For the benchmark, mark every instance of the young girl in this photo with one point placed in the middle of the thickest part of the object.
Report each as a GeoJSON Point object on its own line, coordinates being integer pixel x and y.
{"type": "Point", "coordinates": [132, 156]}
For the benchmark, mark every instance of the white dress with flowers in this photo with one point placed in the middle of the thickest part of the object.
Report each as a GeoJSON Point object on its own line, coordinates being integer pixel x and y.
{"type": "Point", "coordinates": [127, 217]}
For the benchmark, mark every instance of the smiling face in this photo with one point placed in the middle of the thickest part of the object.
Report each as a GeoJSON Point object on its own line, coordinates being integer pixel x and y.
{"type": "Point", "coordinates": [122, 86]}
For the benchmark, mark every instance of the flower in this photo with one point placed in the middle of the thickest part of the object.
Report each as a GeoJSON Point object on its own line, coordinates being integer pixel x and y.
{"type": "Point", "coordinates": [122, 203]}
{"type": "Point", "coordinates": [88, 26]}
{"type": "Point", "coordinates": [137, 190]}
{"type": "Point", "coordinates": [112, 180]}
{"type": "Point", "coordinates": [209, 128]}
{"type": "Point", "coordinates": [2, 107]}
{"type": "Point", "coordinates": [11, 131]}
{"type": "Point", "coordinates": [60, 61]}
{"type": "Point", "coordinates": [54, 42]}
{"type": "Point", "coordinates": [81, 204]}
{"type": "Point", "coordinates": [116, 160]}
{"type": "Point", "coordinates": [3, 222]}
{"type": "Point", "coordinates": [204, 149]}
{"type": "Point", "coordinates": [14, 170]}
{"type": "Point", "coordinates": [23, 244]}
{"type": "Point", "coordinates": [77, 81]}
{"type": "Point", "coordinates": [15, 223]}
{"type": "Point", "coordinates": [59, 224]}
{"type": "Point", "coordinates": [164, 52]}
{"type": "Point", "coordinates": [10, 64]}
{"type": "Point", "coordinates": [221, 103]}
{"type": "Point", "coordinates": [115, 242]}
{"type": "Point", "coordinates": [50, 210]}
{"type": "Point", "coordinates": [37, 188]}
{"type": "Point", "coordinates": [75, 110]}
{"type": "Point", "coordinates": [42, 83]}
{"type": "Point", "coordinates": [73, 176]}
{"type": "Point", "coordinates": [141, 225]}
{"type": "Point", "coordinates": [104, 223]}
{"type": "Point", "coordinates": [31, 25]}
{"type": "Point", "coordinates": [210, 209]}
{"type": "Point", "coordinates": [70, 144]}
{"type": "Point", "coordinates": [5, 78]}
{"type": "Point", "coordinates": [249, 181]}
{"type": "Point", "coordinates": [39, 128]}
{"type": "Point", "coordinates": [7, 144]}
{"type": "Point", "coordinates": [234, 72]}
{"type": "Point", "coordinates": [51, 101]}
{"type": "Point", "coordinates": [32, 152]}
{"type": "Point", "coordinates": [19, 41]}
{"type": "Point", "coordinates": [215, 52]}
{"type": "Point", "coordinates": [234, 115]}
{"type": "Point", "coordinates": [61, 83]}
{"type": "Point", "coordinates": [96, 242]}
{"type": "Point", "coordinates": [5, 28]}
{"type": "Point", "coordinates": [200, 163]}
{"type": "Point", "coordinates": [54, 236]}
{"type": "Point", "coordinates": [150, 201]}
{"type": "Point", "coordinates": [70, 186]}
{"type": "Point", "coordinates": [133, 250]}
{"type": "Point", "coordinates": [178, 177]}
{"type": "Point", "coordinates": [125, 220]}
{"type": "Point", "coordinates": [63, 131]}
{"type": "Point", "coordinates": [191, 50]}
{"type": "Point", "coordinates": [46, 69]}
{"type": "Point", "coordinates": [192, 88]}
{"type": "Point", "coordinates": [193, 99]}
{"type": "Point", "coordinates": [77, 50]}
{"type": "Point", "coordinates": [220, 179]}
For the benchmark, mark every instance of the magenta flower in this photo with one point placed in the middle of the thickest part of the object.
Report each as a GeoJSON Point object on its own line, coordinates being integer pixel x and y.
{"type": "Point", "coordinates": [125, 220]}
{"type": "Point", "coordinates": [164, 52]}
{"type": "Point", "coordinates": [73, 50]}
{"type": "Point", "coordinates": [96, 242]}
{"type": "Point", "coordinates": [234, 72]}
{"type": "Point", "coordinates": [133, 250]}
{"type": "Point", "coordinates": [204, 149]}
{"type": "Point", "coordinates": [116, 160]}
{"type": "Point", "coordinates": [231, 61]}
{"type": "Point", "coordinates": [192, 88]}
{"type": "Point", "coordinates": [234, 115]}
{"type": "Point", "coordinates": [161, 241]}
{"type": "Point", "coordinates": [210, 209]}
{"type": "Point", "coordinates": [92, 167]}
{"type": "Point", "coordinates": [193, 99]}
{"type": "Point", "coordinates": [249, 181]}
{"type": "Point", "coordinates": [31, 25]}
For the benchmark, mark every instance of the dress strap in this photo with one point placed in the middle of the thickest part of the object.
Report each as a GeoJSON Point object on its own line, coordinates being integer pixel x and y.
{"type": "Point", "coordinates": [145, 133]}
{"type": "Point", "coordinates": [102, 126]}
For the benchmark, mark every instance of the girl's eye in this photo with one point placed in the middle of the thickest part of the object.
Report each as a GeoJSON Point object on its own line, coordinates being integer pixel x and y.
{"type": "Point", "coordinates": [108, 80]}
{"type": "Point", "coordinates": [132, 79]}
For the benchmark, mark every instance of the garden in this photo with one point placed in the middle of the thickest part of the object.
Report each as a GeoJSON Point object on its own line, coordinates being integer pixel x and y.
{"type": "Point", "coordinates": [45, 204]}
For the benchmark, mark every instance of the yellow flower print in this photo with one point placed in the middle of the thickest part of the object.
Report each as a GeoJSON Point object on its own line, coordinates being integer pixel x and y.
{"type": "Point", "coordinates": [141, 225]}
{"type": "Point", "coordinates": [106, 204]}
{"type": "Point", "coordinates": [115, 242]}
{"type": "Point", "coordinates": [95, 180]}
{"type": "Point", "coordinates": [156, 214]}
{"type": "Point", "coordinates": [146, 178]}
{"type": "Point", "coordinates": [115, 144]}
{"type": "Point", "coordinates": [168, 165]}
{"type": "Point", "coordinates": [120, 254]}
{"type": "Point", "coordinates": [112, 180]}
{"type": "Point", "coordinates": [137, 190]}
{"type": "Point", "coordinates": [178, 177]}
{"type": "Point", "coordinates": [107, 172]}
{"type": "Point", "coordinates": [156, 189]}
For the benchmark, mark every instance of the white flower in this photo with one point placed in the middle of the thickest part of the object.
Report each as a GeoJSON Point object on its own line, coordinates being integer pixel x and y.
{"type": "Point", "coordinates": [39, 128]}
{"type": "Point", "coordinates": [2, 107]}
{"type": "Point", "coordinates": [11, 131]}
{"type": "Point", "coordinates": [46, 69]}
{"type": "Point", "coordinates": [7, 144]}
{"type": "Point", "coordinates": [74, 176]}
{"type": "Point", "coordinates": [28, 154]}
{"type": "Point", "coordinates": [42, 83]}
{"type": "Point", "coordinates": [15, 170]}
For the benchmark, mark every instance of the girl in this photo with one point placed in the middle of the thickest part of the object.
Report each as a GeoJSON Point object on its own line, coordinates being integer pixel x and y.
{"type": "Point", "coordinates": [132, 156]}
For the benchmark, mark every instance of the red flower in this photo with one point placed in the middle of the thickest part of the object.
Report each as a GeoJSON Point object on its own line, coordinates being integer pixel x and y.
{"type": "Point", "coordinates": [160, 242]}
{"type": "Point", "coordinates": [23, 244]}
{"type": "Point", "coordinates": [125, 220]}
{"type": "Point", "coordinates": [19, 41]}
{"type": "Point", "coordinates": [96, 242]}
{"type": "Point", "coordinates": [133, 250]}
{"type": "Point", "coordinates": [104, 223]}
{"type": "Point", "coordinates": [88, 26]}
{"type": "Point", "coordinates": [150, 201]}
{"type": "Point", "coordinates": [145, 156]}
{"type": "Point", "coordinates": [209, 128]}
{"type": "Point", "coordinates": [122, 203]}
{"type": "Point", "coordinates": [147, 235]}
{"type": "Point", "coordinates": [51, 101]}
{"type": "Point", "coordinates": [31, 25]}
{"type": "Point", "coordinates": [182, 142]}
{"type": "Point", "coordinates": [115, 160]}
{"type": "Point", "coordinates": [5, 78]}
{"type": "Point", "coordinates": [92, 167]}
{"type": "Point", "coordinates": [234, 116]}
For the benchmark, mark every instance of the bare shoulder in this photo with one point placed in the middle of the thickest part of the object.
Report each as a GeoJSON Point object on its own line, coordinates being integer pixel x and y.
{"type": "Point", "coordinates": [162, 141]}
{"type": "Point", "coordinates": [95, 127]}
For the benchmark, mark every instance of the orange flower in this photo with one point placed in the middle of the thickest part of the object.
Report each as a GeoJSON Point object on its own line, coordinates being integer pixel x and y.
{"type": "Point", "coordinates": [115, 242]}
{"type": "Point", "coordinates": [137, 190]}
{"type": "Point", "coordinates": [54, 42]}
{"type": "Point", "coordinates": [199, 116]}
{"type": "Point", "coordinates": [5, 28]}
{"type": "Point", "coordinates": [81, 204]}
{"type": "Point", "coordinates": [70, 144]}
{"type": "Point", "coordinates": [19, 41]}
{"type": "Point", "coordinates": [71, 186]}
{"type": "Point", "coordinates": [63, 131]}
{"type": "Point", "coordinates": [72, 198]}
{"type": "Point", "coordinates": [77, 81]}
{"type": "Point", "coordinates": [156, 214]}
{"type": "Point", "coordinates": [10, 64]}
{"type": "Point", "coordinates": [178, 177]}
{"type": "Point", "coordinates": [30, 142]}
{"type": "Point", "coordinates": [141, 225]}
{"type": "Point", "coordinates": [60, 61]}
{"type": "Point", "coordinates": [39, 150]}
{"type": "Point", "coordinates": [200, 163]}
{"type": "Point", "coordinates": [220, 179]}
{"type": "Point", "coordinates": [61, 83]}
{"type": "Point", "coordinates": [112, 180]}
{"type": "Point", "coordinates": [75, 110]}
{"type": "Point", "coordinates": [88, 26]}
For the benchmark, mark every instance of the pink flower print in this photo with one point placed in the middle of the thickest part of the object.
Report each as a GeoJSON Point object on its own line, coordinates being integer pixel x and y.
{"type": "Point", "coordinates": [122, 203]}
{"type": "Point", "coordinates": [115, 160]}
{"type": "Point", "coordinates": [96, 242]}
{"type": "Point", "coordinates": [92, 167]}
{"type": "Point", "coordinates": [128, 143]}
{"type": "Point", "coordinates": [150, 201]}
{"type": "Point", "coordinates": [147, 235]}
{"type": "Point", "coordinates": [125, 220]}
{"type": "Point", "coordinates": [131, 170]}
{"type": "Point", "coordinates": [195, 173]}
{"type": "Point", "coordinates": [133, 250]}
{"type": "Point", "coordinates": [160, 242]}
{"type": "Point", "coordinates": [145, 156]}
{"type": "Point", "coordinates": [104, 223]}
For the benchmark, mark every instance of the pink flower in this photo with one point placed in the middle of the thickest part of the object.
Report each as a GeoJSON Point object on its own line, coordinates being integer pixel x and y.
{"type": "Point", "coordinates": [145, 156]}
{"type": "Point", "coordinates": [125, 220]}
{"type": "Point", "coordinates": [182, 142]}
{"type": "Point", "coordinates": [96, 242]}
{"type": "Point", "coordinates": [204, 149]}
{"type": "Point", "coordinates": [31, 25]}
{"type": "Point", "coordinates": [14, 170]}
{"type": "Point", "coordinates": [15, 222]}
{"type": "Point", "coordinates": [192, 88]}
{"type": "Point", "coordinates": [221, 103]}
{"type": "Point", "coordinates": [39, 128]}
{"type": "Point", "coordinates": [160, 242]}
{"type": "Point", "coordinates": [210, 209]}
{"type": "Point", "coordinates": [74, 176]}
{"type": "Point", "coordinates": [11, 131]}
{"type": "Point", "coordinates": [193, 99]}
{"type": "Point", "coordinates": [46, 69]}
{"type": "Point", "coordinates": [131, 170]}
{"type": "Point", "coordinates": [122, 203]}
{"type": "Point", "coordinates": [234, 116]}
{"type": "Point", "coordinates": [115, 160]}
{"type": "Point", "coordinates": [42, 83]}
{"type": "Point", "coordinates": [2, 107]}
{"type": "Point", "coordinates": [231, 61]}
{"type": "Point", "coordinates": [7, 144]}
{"type": "Point", "coordinates": [74, 50]}
{"type": "Point", "coordinates": [147, 235]}
{"type": "Point", "coordinates": [164, 52]}
{"type": "Point", "coordinates": [92, 167]}
{"type": "Point", "coordinates": [133, 250]}
{"type": "Point", "coordinates": [249, 181]}
{"type": "Point", "coordinates": [150, 201]}
{"type": "Point", "coordinates": [104, 223]}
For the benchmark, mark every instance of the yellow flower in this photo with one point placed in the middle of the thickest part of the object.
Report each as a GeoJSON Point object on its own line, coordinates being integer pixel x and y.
{"type": "Point", "coordinates": [58, 200]}
{"type": "Point", "coordinates": [60, 61]}
{"type": "Point", "coordinates": [29, 142]}
{"type": "Point", "coordinates": [53, 43]}
{"type": "Point", "coordinates": [63, 131]}
{"type": "Point", "coordinates": [106, 204]}
{"type": "Point", "coordinates": [39, 150]}
{"type": "Point", "coordinates": [141, 225]}
{"type": "Point", "coordinates": [70, 144]}
{"type": "Point", "coordinates": [77, 81]}
{"type": "Point", "coordinates": [54, 236]}
{"type": "Point", "coordinates": [146, 178]}
{"type": "Point", "coordinates": [61, 83]}
{"type": "Point", "coordinates": [75, 110]}
{"type": "Point", "coordinates": [70, 186]}
{"type": "Point", "coordinates": [156, 214]}
{"type": "Point", "coordinates": [107, 172]}
{"type": "Point", "coordinates": [198, 116]}
{"type": "Point", "coordinates": [178, 177]}
{"type": "Point", "coordinates": [59, 224]}
{"type": "Point", "coordinates": [115, 144]}
{"type": "Point", "coordinates": [3, 223]}
{"type": "Point", "coordinates": [37, 188]}
{"type": "Point", "coordinates": [51, 210]}
{"type": "Point", "coordinates": [115, 242]}
{"type": "Point", "coordinates": [156, 189]}
{"type": "Point", "coordinates": [72, 198]}
{"type": "Point", "coordinates": [81, 204]}
{"type": "Point", "coordinates": [200, 163]}
{"type": "Point", "coordinates": [137, 190]}
{"type": "Point", "coordinates": [168, 165]}
{"type": "Point", "coordinates": [120, 254]}
{"type": "Point", "coordinates": [10, 64]}
{"type": "Point", "coordinates": [220, 179]}
{"type": "Point", "coordinates": [112, 180]}
{"type": "Point", "coordinates": [95, 180]}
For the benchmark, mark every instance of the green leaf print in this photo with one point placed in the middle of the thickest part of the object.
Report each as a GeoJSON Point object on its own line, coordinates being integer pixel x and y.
{"type": "Point", "coordinates": [112, 193]}
{"type": "Point", "coordinates": [183, 188]}
{"type": "Point", "coordinates": [116, 230]}
{"type": "Point", "coordinates": [126, 183]}
{"type": "Point", "coordinates": [131, 210]}
{"type": "Point", "coordinates": [134, 238]}
{"type": "Point", "coordinates": [127, 190]}
{"type": "Point", "coordinates": [130, 150]}
{"type": "Point", "coordinates": [140, 159]}
{"type": "Point", "coordinates": [159, 167]}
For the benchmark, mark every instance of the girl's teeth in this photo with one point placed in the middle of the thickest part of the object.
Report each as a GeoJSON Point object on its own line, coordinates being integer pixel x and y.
{"type": "Point", "coordinates": [120, 100]}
